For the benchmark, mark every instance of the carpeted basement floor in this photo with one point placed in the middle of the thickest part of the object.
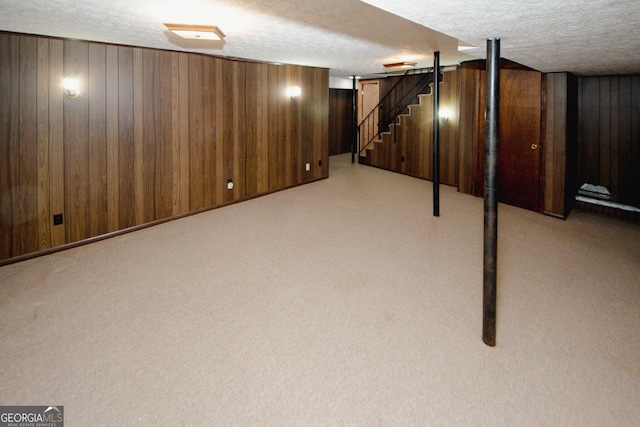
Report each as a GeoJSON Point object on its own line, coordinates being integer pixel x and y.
{"type": "Point", "coordinates": [341, 302]}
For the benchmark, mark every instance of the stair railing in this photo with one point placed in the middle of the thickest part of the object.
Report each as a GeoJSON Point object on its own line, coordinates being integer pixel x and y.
{"type": "Point", "coordinates": [392, 104]}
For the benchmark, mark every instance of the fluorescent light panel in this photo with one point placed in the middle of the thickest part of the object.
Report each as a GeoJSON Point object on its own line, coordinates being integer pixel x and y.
{"type": "Point", "coordinates": [196, 32]}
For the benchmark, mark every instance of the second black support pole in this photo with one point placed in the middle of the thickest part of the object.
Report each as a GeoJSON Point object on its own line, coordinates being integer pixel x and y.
{"type": "Point", "coordinates": [491, 193]}
{"type": "Point", "coordinates": [436, 134]}
{"type": "Point", "coordinates": [354, 124]}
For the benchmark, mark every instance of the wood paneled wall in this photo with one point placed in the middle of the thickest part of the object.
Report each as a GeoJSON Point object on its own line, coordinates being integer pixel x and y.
{"type": "Point", "coordinates": [609, 135]}
{"type": "Point", "coordinates": [409, 148]}
{"type": "Point", "coordinates": [471, 129]}
{"type": "Point", "coordinates": [560, 142]}
{"type": "Point", "coordinates": [153, 135]}
{"type": "Point", "coordinates": [340, 121]}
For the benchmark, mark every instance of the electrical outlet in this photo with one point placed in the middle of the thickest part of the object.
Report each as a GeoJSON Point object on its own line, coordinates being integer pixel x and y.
{"type": "Point", "coordinates": [307, 167]}
{"type": "Point", "coordinates": [57, 219]}
{"type": "Point", "coordinates": [229, 184]}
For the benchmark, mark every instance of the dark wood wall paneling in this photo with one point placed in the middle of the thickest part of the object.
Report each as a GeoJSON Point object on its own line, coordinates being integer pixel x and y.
{"type": "Point", "coordinates": [560, 143]}
{"type": "Point", "coordinates": [340, 121]}
{"type": "Point", "coordinates": [153, 135]}
{"type": "Point", "coordinates": [449, 129]}
{"type": "Point", "coordinates": [472, 95]}
{"type": "Point", "coordinates": [608, 135]}
{"type": "Point", "coordinates": [589, 134]}
{"type": "Point", "coordinates": [408, 148]}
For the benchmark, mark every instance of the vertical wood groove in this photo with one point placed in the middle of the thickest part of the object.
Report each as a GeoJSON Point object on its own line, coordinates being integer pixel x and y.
{"type": "Point", "coordinates": [97, 131]}
{"type": "Point", "coordinates": [209, 133]}
{"type": "Point", "coordinates": [76, 65]}
{"type": "Point", "coordinates": [56, 140]}
{"type": "Point", "coordinates": [44, 178]}
{"type": "Point", "coordinates": [112, 127]}
{"type": "Point", "coordinates": [196, 132]}
{"type": "Point", "coordinates": [139, 164]}
{"type": "Point", "coordinates": [126, 139]}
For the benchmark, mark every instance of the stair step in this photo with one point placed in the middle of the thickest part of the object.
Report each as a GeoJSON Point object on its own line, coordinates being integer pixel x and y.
{"type": "Point", "coordinates": [369, 147]}
{"type": "Point", "coordinates": [364, 152]}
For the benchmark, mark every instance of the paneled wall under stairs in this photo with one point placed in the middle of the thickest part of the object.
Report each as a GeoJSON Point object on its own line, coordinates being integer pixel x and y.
{"type": "Point", "coordinates": [153, 135]}
{"type": "Point", "coordinates": [407, 148]}
{"type": "Point", "coordinates": [560, 143]}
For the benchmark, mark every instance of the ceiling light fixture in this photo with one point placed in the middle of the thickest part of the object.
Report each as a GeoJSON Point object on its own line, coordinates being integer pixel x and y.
{"type": "Point", "coordinates": [196, 32]}
{"type": "Point", "coordinates": [400, 65]}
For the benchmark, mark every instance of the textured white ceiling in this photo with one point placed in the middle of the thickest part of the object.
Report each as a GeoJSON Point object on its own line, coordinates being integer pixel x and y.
{"type": "Point", "coordinates": [588, 37]}
{"type": "Point", "coordinates": [351, 37]}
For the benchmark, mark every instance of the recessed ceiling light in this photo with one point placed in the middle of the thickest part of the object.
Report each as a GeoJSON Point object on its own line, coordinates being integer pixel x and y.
{"type": "Point", "coordinates": [196, 32]}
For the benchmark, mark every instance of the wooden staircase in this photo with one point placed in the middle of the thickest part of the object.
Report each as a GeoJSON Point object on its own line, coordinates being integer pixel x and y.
{"type": "Point", "coordinates": [397, 103]}
{"type": "Point", "coordinates": [407, 145]}
{"type": "Point", "coordinates": [389, 136]}
{"type": "Point", "coordinates": [400, 148]}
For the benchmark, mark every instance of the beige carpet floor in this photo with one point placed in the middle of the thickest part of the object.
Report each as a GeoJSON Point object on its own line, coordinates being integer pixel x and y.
{"type": "Point", "coordinates": [341, 302]}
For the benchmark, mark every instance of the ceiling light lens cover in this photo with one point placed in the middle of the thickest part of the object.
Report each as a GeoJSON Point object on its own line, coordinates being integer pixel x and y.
{"type": "Point", "coordinates": [400, 65]}
{"type": "Point", "coordinates": [196, 32]}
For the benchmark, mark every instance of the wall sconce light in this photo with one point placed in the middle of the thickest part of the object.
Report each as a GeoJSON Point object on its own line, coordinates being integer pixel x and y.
{"type": "Point", "coordinates": [294, 92]}
{"type": "Point", "coordinates": [71, 87]}
{"type": "Point", "coordinates": [196, 32]}
{"type": "Point", "coordinates": [444, 114]}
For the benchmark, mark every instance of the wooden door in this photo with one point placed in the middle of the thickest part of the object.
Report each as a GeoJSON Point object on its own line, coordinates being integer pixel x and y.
{"type": "Point", "coordinates": [519, 152]}
{"type": "Point", "coordinates": [519, 149]}
{"type": "Point", "coordinates": [368, 99]}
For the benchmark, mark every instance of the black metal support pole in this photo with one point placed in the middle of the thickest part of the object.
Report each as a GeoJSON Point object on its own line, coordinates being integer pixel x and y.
{"type": "Point", "coordinates": [436, 134]}
{"type": "Point", "coordinates": [490, 193]}
{"type": "Point", "coordinates": [354, 124]}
